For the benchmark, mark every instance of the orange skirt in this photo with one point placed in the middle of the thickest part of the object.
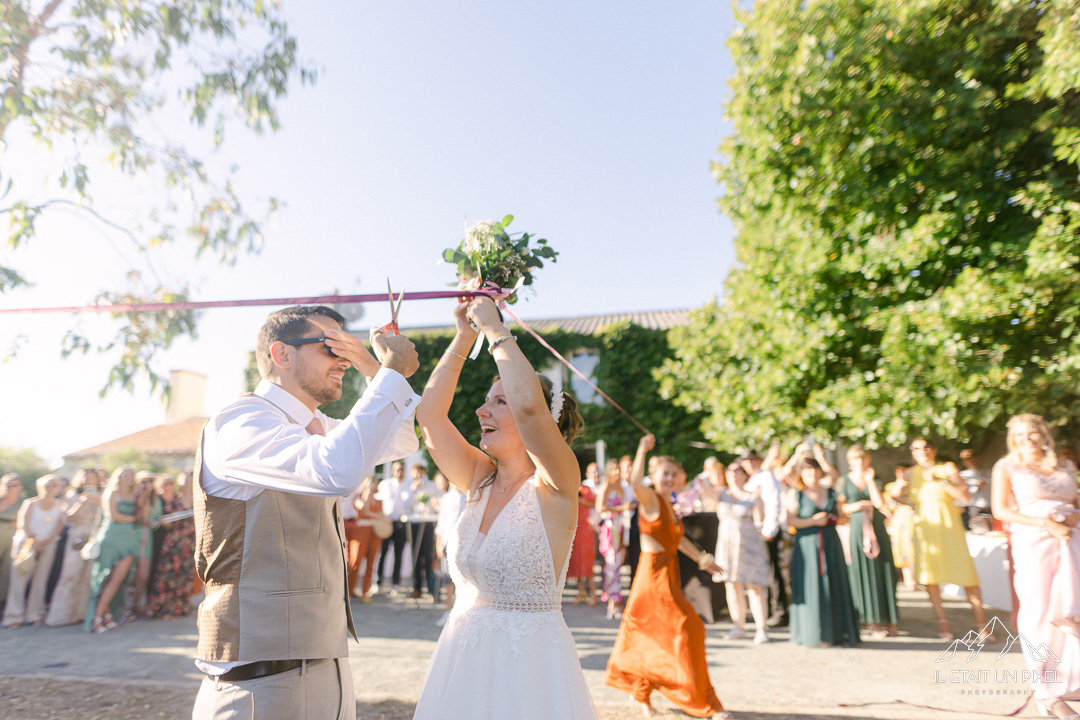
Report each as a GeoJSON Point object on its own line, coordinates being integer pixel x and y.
{"type": "Point", "coordinates": [661, 641]}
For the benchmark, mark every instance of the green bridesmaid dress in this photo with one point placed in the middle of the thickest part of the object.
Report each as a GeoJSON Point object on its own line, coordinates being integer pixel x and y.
{"type": "Point", "coordinates": [821, 607]}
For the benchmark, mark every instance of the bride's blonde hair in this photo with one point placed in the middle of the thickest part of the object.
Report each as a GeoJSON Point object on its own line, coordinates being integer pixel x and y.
{"type": "Point", "coordinates": [1050, 459]}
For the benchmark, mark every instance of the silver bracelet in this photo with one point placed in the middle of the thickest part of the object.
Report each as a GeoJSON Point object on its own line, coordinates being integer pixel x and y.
{"type": "Point", "coordinates": [456, 354]}
{"type": "Point", "coordinates": [500, 341]}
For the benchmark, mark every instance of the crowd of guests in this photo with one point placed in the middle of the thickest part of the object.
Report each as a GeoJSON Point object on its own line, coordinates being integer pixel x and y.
{"type": "Point", "coordinates": [99, 549]}
{"type": "Point", "coordinates": [801, 544]}
{"type": "Point", "coordinates": [779, 542]}
{"type": "Point", "coordinates": [102, 550]}
{"type": "Point", "coordinates": [105, 549]}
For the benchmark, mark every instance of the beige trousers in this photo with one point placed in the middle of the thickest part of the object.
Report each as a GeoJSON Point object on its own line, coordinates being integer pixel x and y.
{"type": "Point", "coordinates": [321, 690]}
{"type": "Point", "coordinates": [21, 608]}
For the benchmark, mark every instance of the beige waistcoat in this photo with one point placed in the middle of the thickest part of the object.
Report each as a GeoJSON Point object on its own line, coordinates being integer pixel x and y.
{"type": "Point", "coordinates": [275, 575]}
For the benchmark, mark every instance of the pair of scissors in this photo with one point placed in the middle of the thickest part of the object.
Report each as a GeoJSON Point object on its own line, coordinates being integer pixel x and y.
{"type": "Point", "coordinates": [391, 328]}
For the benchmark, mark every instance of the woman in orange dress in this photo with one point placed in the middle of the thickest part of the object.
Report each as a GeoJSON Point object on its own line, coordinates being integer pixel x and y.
{"type": "Point", "coordinates": [661, 642]}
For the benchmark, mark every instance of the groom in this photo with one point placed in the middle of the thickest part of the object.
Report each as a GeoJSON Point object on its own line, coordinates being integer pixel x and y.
{"type": "Point", "coordinates": [269, 470]}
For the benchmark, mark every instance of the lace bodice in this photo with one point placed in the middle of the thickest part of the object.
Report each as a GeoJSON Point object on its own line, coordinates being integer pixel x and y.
{"type": "Point", "coordinates": [513, 569]}
{"type": "Point", "coordinates": [1037, 492]}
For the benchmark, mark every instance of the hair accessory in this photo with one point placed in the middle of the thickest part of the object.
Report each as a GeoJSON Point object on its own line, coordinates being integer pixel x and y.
{"type": "Point", "coordinates": [556, 402]}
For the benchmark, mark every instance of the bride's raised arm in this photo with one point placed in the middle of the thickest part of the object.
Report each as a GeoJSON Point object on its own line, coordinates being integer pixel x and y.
{"type": "Point", "coordinates": [548, 449]}
{"type": "Point", "coordinates": [459, 461]}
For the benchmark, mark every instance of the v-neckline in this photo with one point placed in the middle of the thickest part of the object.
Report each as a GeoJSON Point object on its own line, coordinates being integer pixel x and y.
{"type": "Point", "coordinates": [499, 514]}
{"type": "Point", "coordinates": [820, 508]}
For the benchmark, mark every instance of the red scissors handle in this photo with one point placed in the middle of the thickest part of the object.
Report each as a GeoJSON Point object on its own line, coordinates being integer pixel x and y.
{"type": "Point", "coordinates": [391, 328]}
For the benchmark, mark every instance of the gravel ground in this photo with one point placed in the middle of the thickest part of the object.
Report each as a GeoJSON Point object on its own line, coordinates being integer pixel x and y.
{"type": "Point", "coordinates": [143, 671]}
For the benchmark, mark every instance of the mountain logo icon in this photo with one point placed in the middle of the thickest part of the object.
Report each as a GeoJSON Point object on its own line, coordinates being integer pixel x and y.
{"type": "Point", "coordinates": [974, 642]}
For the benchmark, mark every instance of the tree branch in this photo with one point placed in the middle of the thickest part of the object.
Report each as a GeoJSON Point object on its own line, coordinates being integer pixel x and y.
{"type": "Point", "coordinates": [21, 53]}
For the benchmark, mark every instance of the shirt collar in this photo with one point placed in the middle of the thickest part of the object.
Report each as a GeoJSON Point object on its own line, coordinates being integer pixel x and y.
{"type": "Point", "coordinates": [286, 401]}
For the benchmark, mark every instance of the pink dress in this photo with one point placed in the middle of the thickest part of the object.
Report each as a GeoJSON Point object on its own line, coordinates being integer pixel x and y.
{"type": "Point", "coordinates": [1046, 577]}
{"type": "Point", "coordinates": [614, 533]}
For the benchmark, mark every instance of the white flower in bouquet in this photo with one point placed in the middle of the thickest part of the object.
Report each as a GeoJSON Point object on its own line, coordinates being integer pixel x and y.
{"type": "Point", "coordinates": [482, 238]}
{"type": "Point", "coordinates": [490, 256]}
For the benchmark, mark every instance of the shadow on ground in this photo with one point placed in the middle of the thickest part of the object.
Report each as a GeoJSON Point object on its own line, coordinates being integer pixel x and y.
{"type": "Point", "coordinates": [33, 698]}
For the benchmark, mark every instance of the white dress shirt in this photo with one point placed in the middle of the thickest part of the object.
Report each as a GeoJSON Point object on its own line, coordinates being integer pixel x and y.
{"type": "Point", "coordinates": [396, 498]}
{"type": "Point", "coordinates": [772, 498]}
{"type": "Point", "coordinates": [251, 444]}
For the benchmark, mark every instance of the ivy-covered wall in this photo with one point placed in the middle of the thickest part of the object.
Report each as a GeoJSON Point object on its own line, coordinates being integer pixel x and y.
{"type": "Point", "coordinates": [628, 355]}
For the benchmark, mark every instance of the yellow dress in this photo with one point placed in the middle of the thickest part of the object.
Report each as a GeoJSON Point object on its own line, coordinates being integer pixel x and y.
{"type": "Point", "coordinates": [941, 551]}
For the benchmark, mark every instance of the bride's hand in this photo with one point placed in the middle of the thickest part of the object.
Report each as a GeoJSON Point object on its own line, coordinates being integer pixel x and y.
{"type": "Point", "coordinates": [461, 320]}
{"type": "Point", "coordinates": [483, 313]}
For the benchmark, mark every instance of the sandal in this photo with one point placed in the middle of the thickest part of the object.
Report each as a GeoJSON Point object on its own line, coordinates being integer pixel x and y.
{"type": "Point", "coordinates": [945, 630]}
{"type": "Point", "coordinates": [99, 626]}
{"type": "Point", "coordinates": [1056, 708]}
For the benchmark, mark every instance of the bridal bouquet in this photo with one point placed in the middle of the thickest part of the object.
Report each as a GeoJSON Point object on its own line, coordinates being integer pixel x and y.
{"type": "Point", "coordinates": [490, 256]}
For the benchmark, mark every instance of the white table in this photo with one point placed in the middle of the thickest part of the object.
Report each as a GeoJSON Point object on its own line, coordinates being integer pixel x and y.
{"type": "Point", "coordinates": [991, 557]}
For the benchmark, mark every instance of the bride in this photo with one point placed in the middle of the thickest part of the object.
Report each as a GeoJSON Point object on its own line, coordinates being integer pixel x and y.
{"type": "Point", "coordinates": [505, 651]}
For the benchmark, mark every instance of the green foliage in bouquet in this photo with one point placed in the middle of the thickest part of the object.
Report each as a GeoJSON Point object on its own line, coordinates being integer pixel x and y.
{"type": "Point", "coordinates": [489, 254]}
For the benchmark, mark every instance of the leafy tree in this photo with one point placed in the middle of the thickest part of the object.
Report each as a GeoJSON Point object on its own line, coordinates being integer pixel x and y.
{"type": "Point", "coordinates": [93, 81]}
{"type": "Point", "coordinates": [24, 461]}
{"type": "Point", "coordinates": [138, 460]}
{"type": "Point", "coordinates": [904, 180]}
{"type": "Point", "coordinates": [27, 463]}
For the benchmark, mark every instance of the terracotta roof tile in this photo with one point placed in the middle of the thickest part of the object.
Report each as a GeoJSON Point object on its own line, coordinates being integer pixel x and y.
{"type": "Point", "coordinates": [178, 439]}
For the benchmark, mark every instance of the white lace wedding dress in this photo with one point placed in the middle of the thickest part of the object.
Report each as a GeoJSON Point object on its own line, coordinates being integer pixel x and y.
{"type": "Point", "coordinates": [505, 652]}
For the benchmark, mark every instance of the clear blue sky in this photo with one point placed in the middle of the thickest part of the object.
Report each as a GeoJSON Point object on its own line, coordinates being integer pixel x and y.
{"type": "Point", "coordinates": [593, 123]}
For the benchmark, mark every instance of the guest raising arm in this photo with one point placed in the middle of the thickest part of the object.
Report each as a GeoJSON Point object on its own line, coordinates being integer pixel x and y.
{"type": "Point", "coordinates": [661, 641]}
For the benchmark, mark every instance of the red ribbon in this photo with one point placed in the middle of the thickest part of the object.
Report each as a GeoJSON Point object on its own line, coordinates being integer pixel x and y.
{"type": "Point", "coordinates": [573, 369]}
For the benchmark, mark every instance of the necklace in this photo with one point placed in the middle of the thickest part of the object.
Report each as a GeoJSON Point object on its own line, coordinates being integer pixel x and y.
{"type": "Point", "coordinates": [506, 487]}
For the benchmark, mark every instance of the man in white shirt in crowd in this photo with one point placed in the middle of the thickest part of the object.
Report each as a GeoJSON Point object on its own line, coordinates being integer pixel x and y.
{"type": "Point", "coordinates": [451, 506]}
{"type": "Point", "coordinates": [422, 529]}
{"type": "Point", "coordinates": [397, 503]}
{"type": "Point", "coordinates": [978, 486]}
{"type": "Point", "coordinates": [270, 473]}
{"type": "Point", "coordinates": [773, 526]}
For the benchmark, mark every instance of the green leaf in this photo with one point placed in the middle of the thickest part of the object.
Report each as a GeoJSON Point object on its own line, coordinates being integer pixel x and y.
{"type": "Point", "coordinates": [507, 219]}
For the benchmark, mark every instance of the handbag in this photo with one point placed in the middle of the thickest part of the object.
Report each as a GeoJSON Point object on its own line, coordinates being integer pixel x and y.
{"type": "Point", "coordinates": [383, 527]}
{"type": "Point", "coordinates": [26, 559]}
{"type": "Point", "coordinates": [91, 550]}
{"type": "Point", "coordinates": [869, 540]}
